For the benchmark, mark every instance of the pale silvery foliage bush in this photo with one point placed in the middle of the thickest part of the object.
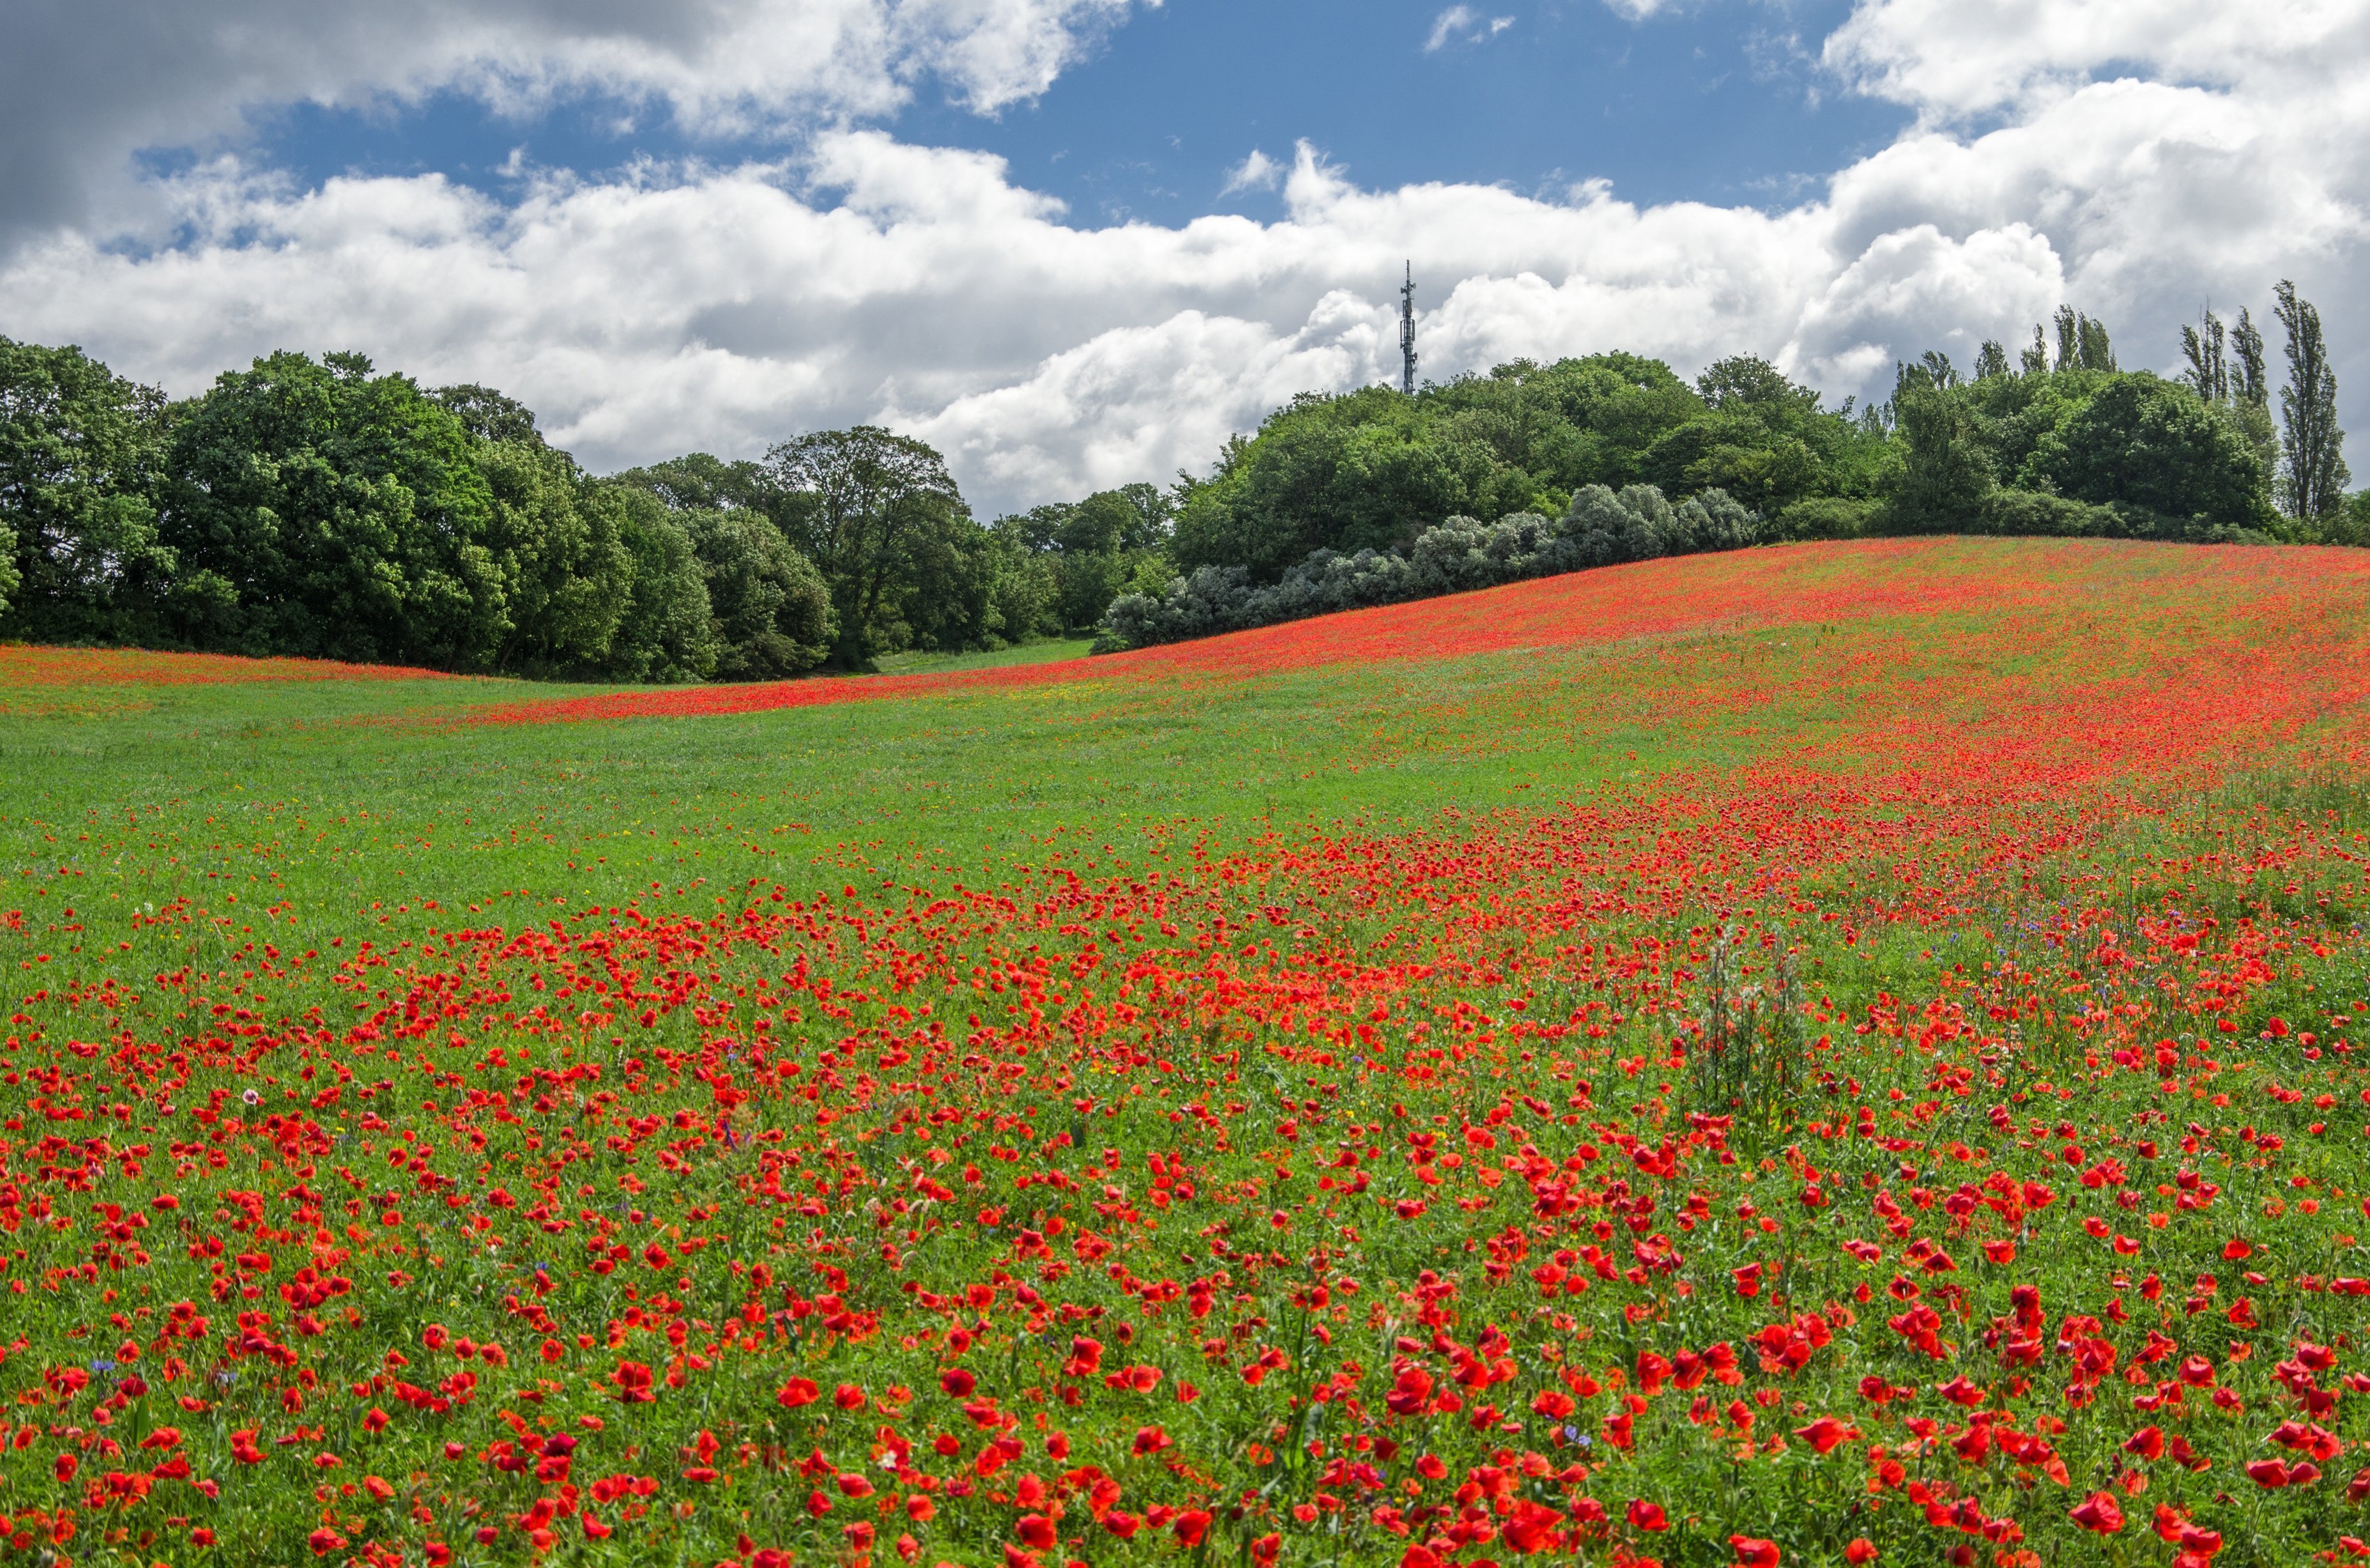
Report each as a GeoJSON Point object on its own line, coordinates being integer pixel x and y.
{"type": "Point", "coordinates": [1599, 529]}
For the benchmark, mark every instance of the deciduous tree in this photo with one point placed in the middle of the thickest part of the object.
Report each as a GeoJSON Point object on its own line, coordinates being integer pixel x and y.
{"type": "Point", "coordinates": [78, 449]}
{"type": "Point", "coordinates": [880, 517]}
{"type": "Point", "coordinates": [2312, 473]}
{"type": "Point", "coordinates": [320, 509]}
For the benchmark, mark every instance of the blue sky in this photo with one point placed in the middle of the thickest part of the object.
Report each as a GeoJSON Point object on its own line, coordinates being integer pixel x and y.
{"type": "Point", "coordinates": [712, 226]}
{"type": "Point", "coordinates": [1720, 102]}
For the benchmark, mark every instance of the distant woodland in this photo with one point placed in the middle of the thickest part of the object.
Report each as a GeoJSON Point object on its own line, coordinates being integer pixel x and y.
{"type": "Point", "coordinates": [321, 508]}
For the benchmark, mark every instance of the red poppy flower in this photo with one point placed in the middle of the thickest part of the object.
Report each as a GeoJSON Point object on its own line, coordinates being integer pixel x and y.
{"type": "Point", "coordinates": [2098, 1513]}
{"type": "Point", "coordinates": [1823, 1433]}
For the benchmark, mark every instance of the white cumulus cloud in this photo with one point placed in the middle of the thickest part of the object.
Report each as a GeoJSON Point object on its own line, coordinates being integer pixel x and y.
{"type": "Point", "coordinates": [85, 84]}
{"type": "Point", "coordinates": [1257, 172]}
{"type": "Point", "coordinates": [2135, 172]}
{"type": "Point", "coordinates": [1964, 57]}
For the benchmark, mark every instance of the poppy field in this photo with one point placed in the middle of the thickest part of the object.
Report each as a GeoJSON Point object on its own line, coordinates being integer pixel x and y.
{"type": "Point", "coordinates": [1828, 1055]}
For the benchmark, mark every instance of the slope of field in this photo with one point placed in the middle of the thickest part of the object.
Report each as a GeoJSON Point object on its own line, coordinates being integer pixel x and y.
{"type": "Point", "coordinates": [1794, 585]}
{"type": "Point", "coordinates": [1819, 1056]}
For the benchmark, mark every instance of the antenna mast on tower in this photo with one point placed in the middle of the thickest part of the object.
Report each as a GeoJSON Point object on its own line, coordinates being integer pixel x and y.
{"type": "Point", "coordinates": [1406, 333]}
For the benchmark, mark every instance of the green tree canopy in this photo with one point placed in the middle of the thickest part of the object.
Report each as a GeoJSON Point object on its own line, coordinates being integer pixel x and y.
{"type": "Point", "coordinates": [1946, 471]}
{"type": "Point", "coordinates": [489, 415]}
{"type": "Point", "coordinates": [2156, 444]}
{"type": "Point", "coordinates": [1360, 471]}
{"type": "Point", "coordinates": [1077, 556]}
{"type": "Point", "coordinates": [772, 609]}
{"type": "Point", "coordinates": [698, 479]}
{"type": "Point", "coordinates": [666, 631]}
{"type": "Point", "coordinates": [322, 510]}
{"type": "Point", "coordinates": [878, 514]}
{"type": "Point", "coordinates": [2312, 476]}
{"type": "Point", "coordinates": [78, 452]}
{"type": "Point", "coordinates": [563, 568]}
{"type": "Point", "coordinates": [1370, 469]}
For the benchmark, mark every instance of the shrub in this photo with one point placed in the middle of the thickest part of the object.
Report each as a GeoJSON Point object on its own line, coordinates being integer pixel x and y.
{"type": "Point", "coordinates": [1600, 528]}
{"type": "Point", "coordinates": [2038, 513]}
{"type": "Point", "coordinates": [1827, 517]}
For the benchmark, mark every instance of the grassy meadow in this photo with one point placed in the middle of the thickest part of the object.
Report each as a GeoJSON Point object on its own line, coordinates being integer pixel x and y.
{"type": "Point", "coordinates": [1822, 1054]}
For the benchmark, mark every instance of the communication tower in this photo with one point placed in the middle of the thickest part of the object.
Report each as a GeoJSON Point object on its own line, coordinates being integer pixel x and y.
{"type": "Point", "coordinates": [1406, 333]}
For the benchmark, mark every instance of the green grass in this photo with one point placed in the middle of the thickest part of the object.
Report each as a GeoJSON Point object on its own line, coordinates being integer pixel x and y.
{"type": "Point", "coordinates": [1830, 840]}
{"type": "Point", "coordinates": [325, 793]}
{"type": "Point", "coordinates": [1046, 651]}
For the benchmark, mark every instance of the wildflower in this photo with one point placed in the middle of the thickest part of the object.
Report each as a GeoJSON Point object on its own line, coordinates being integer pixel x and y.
{"type": "Point", "coordinates": [2098, 1514]}
{"type": "Point", "coordinates": [1752, 1552]}
{"type": "Point", "coordinates": [1825, 1433]}
{"type": "Point", "coordinates": [2273, 1474]}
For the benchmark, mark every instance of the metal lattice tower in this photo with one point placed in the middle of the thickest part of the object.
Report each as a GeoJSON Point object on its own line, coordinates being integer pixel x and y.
{"type": "Point", "coordinates": [1406, 333]}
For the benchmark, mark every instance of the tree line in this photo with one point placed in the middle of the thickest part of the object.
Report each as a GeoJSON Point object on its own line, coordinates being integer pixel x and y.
{"type": "Point", "coordinates": [323, 509]}
{"type": "Point", "coordinates": [1373, 497]}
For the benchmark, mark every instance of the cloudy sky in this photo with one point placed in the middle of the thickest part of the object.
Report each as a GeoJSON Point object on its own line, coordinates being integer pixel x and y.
{"type": "Point", "coordinates": [1077, 242]}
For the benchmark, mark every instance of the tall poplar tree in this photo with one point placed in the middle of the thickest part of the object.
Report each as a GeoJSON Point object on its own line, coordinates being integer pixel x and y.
{"type": "Point", "coordinates": [2312, 473]}
{"type": "Point", "coordinates": [2251, 382]}
{"type": "Point", "coordinates": [2082, 343]}
{"type": "Point", "coordinates": [2251, 391]}
{"type": "Point", "coordinates": [2036, 357]}
{"type": "Point", "coordinates": [2206, 348]}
